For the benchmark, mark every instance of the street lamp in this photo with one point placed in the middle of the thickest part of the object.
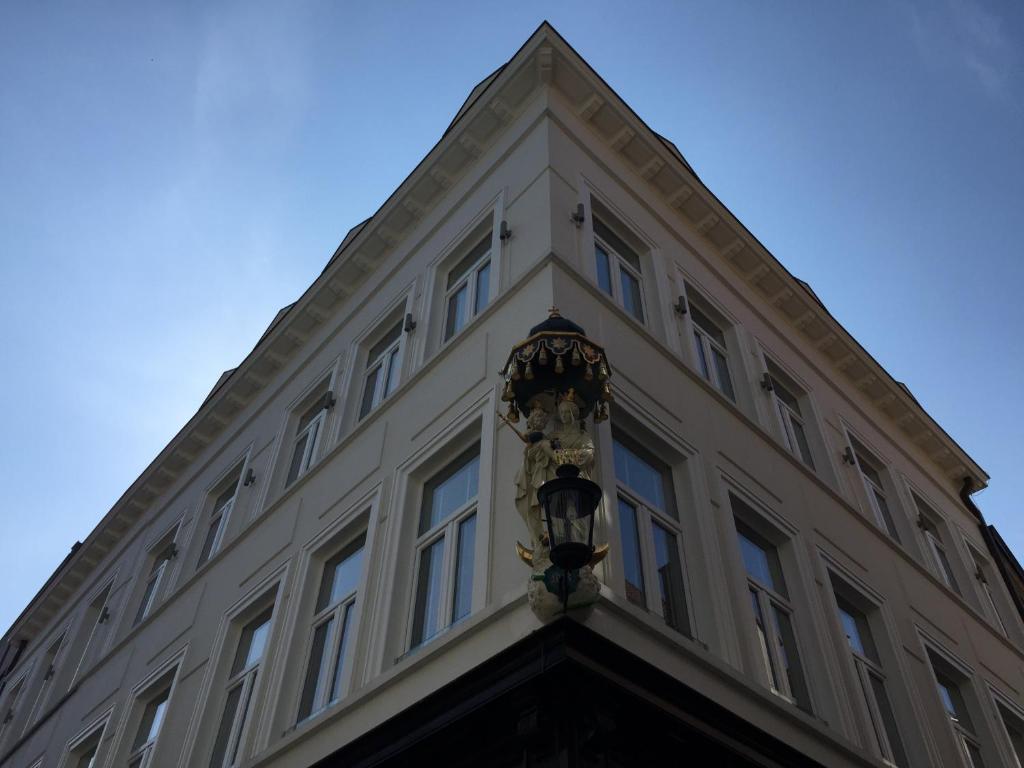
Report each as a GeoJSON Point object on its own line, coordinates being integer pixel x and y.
{"type": "Point", "coordinates": [569, 502]}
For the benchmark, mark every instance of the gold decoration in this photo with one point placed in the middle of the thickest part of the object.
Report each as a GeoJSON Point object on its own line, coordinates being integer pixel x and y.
{"type": "Point", "coordinates": [513, 371]}
{"type": "Point", "coordinates": [569, 396]}
{"type": "Point", "coordinates": [528, 374]}
{"type": "Point", "coordinates": [576, 359]}
{"type": "Point", "coordinates": [508, 395]}
{"type": "Point", "coordinates": [526, 554]}
{"type": "Point", "coordinates": [559, 367]}
{"type": "Point", "coordinates": [542, 358]}
{"type": "Point", "coordinates": [589, 374]}
{"type": "Point", "coordinates": [602, 372]}
{"type": "Point", "coordinates": [606, 393]}
{"type": "Point", "coordinates": [513, 412]}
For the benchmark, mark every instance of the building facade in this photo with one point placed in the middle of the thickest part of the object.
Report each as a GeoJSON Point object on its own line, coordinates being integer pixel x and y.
{"type": "Point", "coordinates": [320, 568]}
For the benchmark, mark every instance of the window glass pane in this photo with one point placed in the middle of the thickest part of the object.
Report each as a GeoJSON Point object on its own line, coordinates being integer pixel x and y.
{"type": "Point", "coordinates": [152, 717]}
{"type": "Point", "coordinates": [604, 272]}
{"type": "Point", "coordinates": [339, 662]}
{"type": "Point", "coordinates": [724, 379]}
{"type": "Point", "coordinates": [867, 470]}
{"type": "Point", "coordinates": [394, 366]}
{"type": "Point", "coordinates": [670, 579]}
{"type": "Point", "coordinates": [428, 593]}
{"type": "Point", "coordinates": [220, 744]}
{"type": "Point", "coordinates": [944, 566]}
{"type": "Point", "coordinates": [883, 511]}
{"type": "Point", "coordinates": [801, 441]}
{"type": "Point", "coordinates": [226, 496]}
{"type": "Point", "coordinates": [297, 455]}
{"type": "Point", "coordinates": [377, 350]}
{"type": "Point", "coordinates": [311, 686]}
{"type": "Point", "coordinates": [639, 476]}
{"type": "Point", "coordinates": [762, 637]}
{"type": "Point", "coordinates": [973, 754]}
{"type": "Point", "coordinates": [459, 271]}
{"type": "Point", "coordinates": [455, 317]}
{"type": "Point", "coordinates": [1015, 730]}
{"type": "Point", "coordinates": [463, 602]}
{"type": "Point", "coordinates": [251, 643]}
{"type": "Point", "coordinates": [617, 244]}
{"type": "Point", "coordinates": [790, 656]}
{"type": "Point", "coordinates": [631, 553]}
{"type": "Point", "coordinates": [450, 491]}
{"type": "Point", "coordinates": [243, 716]}
{"type": "Point", "coordinates": [852, 631]}
{"type": "Point", "coordinates": [369, 392]}
{"type": "Point", "coordinates": [310, 415]}
{"type": "Point", "coordinates": [147, 598]}
{"type": "Point", "coordinates": [210, 540]}
{"type": "Point", "coordinates": [341, 575]}
{"type": "Point", "coordinates": [898, 756]}
{"type": "Point", "coordinates": [761, 562]}
{"type": "Point", "coordinates": [787, 397]}
{"type": "Point", "coordinates": [702, 360]}
{"type": "Point", "coordinates": [483, 288]}
{"type": "Point", "coordinates": [631, 300]}
{"type": "Point", "coordinates": [703, 322]}
{"type": "Point", "coordinates": [88, 758]}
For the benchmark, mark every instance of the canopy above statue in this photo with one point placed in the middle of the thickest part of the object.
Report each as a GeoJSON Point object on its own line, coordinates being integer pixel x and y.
{"type": "Point", "coordinates": [555, 358]}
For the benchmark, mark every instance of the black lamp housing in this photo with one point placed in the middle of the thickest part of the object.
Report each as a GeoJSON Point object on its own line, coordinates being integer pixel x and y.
{"type": "Point", "coordinates": [569, 502]}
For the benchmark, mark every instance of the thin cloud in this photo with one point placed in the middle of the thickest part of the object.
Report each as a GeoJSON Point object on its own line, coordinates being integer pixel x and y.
{"type": "Point", "coordinates": [967, 35]}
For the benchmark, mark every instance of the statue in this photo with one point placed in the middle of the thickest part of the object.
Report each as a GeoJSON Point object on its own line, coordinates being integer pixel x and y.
{"type": "Point", "coordinates": [538, 467]}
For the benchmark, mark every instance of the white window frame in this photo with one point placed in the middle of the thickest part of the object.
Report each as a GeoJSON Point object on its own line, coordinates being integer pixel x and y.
{"type": "Point", "coordinates": [617, 264]}
{"type": "Point", "coordinates": [470, 280]}
{"type": "Point", "coordinates": [102, 617]}
{"type": "Point", "coordinates": [873, 490]}
{"type": "Point", "coordinates": [786, 417]}
{"type": "Point", "coordinates": [866, 668]}
{"type": "Point", "coordinates": [159, 565]}
{"type": "Point", "coordinates": [321, 400]}
{"type": "Point", "coordinates": [89, 738]}
{"type": "Point", "coordinates": [12, 696]}
{"type": "Point", "coordinates": [49, 668]}
{"type": "Point", "coordinates": [448, 531]}
{"type": "Point", "coordinates": [245, 679]}
{"type": "Point", "coordinates": [982, 572]}
{"type": "Point", "coordinates": [387, 365]}
{"type": "Point", "coordinates": [704, 345]}
{"type": "Point", "coordinates": [961, 678]}
{"type": "Point", "coordinates": [931, 524]}
{"type": "Point", "coordinates": [220, 515]}
{"type": "Point", "coordinates": [343, 613]}
{"type": "Point", "coordinates": [141, 751]}
{"type": "Point", "coordinates": [769, 603]}
{"type": "Point", "coordinates": [648, 514]}
{"type": "Point", "coordinates": [1005, 706]}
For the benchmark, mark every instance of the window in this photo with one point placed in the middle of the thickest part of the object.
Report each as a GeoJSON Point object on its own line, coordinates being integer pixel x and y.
{"type": "Point", "coordinates": [383, 368]}
{"type": "Point", "coordinates": [772, 613]}
{"type": "Point", "coordinates": [1013, 724]}
{"type": "Point", "coordinates": [333, 626]}
{"type": "Point", "coordinates": [85, 753]}
{"type": "Point", "coordinates": [651, 536]}
{"type": "Point", "coordinates": [51, 661]}
{"type": "Point", "coordinates": [153, 712]}
{"type": "Point", "coordinates": [90, 641]}
{"type": "Point", "coordinates": [926, 521]}
{"type": "Point", "coordinates": [871, 682]}
{"type": "Point", "coordinates": [982, 573]}
{"type": "Point", "coordinates": [219, 516]}
{"type": "Point", "coordinates": [618, 269]}
{"type": "Point", "coordinates": [951, 685]}
{"type": "Point", "coordinates": [158, 573]}
{"type": "Point", "coordinates": [308, 433]}
{"type": "Point", "coordinates": [468, 286]}
{"type": "Point", "coordinates": [10, 708]}
{"type": "Point", "coordinates": [711, 350]}
{"type": "Point", "coordinates": [240, 687]}
{"type": "Point", "coordinates": [870, 471]}
{"type": "Point", "coordinates": [445, 548]}
{"type": "Point", "coordinates": [787, 397]}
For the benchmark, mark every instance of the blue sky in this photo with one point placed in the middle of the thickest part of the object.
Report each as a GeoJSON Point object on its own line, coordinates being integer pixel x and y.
{"type": "Point", "coordinates": [173, 173]}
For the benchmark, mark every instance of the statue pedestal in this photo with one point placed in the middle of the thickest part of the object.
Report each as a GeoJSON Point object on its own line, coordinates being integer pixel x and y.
{"type": "Point", "coordinates": [547, 604]}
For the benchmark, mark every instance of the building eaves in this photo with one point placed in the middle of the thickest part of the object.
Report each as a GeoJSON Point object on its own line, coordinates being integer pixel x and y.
{"type": "Point", "coordinates": [477, 126]}
{"type": "Point", "coordinates": [692, 198]}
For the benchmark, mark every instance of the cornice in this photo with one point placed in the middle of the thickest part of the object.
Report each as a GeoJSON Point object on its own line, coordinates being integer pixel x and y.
{"type": "Point", "coordinates": [356, 258]}
{"type": "Point", "coordinates": [670, 178]}
{"type": "Point", "coordinates": [546, 59]}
